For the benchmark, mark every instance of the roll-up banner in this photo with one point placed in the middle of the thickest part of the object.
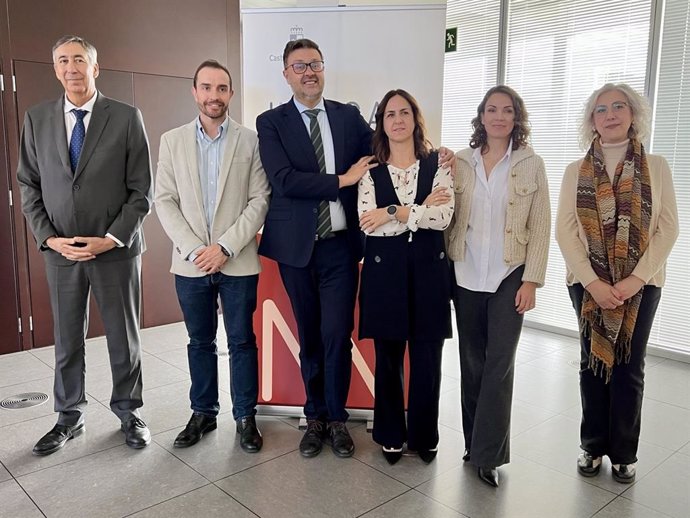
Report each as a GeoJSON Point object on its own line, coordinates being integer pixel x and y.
{"type": "Point", "coordinates": [367, 51]}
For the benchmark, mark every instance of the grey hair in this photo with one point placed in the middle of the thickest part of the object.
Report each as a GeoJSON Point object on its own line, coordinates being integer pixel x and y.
{"type": "Point", "coordinates": [91, 52]}
{"type": "Point", "coordinates": [641, 114]}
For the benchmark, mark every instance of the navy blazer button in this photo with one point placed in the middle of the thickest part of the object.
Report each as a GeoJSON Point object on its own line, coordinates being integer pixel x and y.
{"type": "Point", "coordinates": [442, 255]}
{"type": "Point", "coordinates": [75, 187]}
{"type": "Point", "coordinates": [377, 259]}
{"type": "Point", "coordinates": [315, 211]}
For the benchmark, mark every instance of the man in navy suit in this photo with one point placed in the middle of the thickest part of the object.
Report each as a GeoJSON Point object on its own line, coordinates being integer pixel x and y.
{"type": "Point", "coordinates": [314, 152]}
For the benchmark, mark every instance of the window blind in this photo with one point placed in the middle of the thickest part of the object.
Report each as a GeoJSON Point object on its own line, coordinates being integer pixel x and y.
{"type": "Point", "coordinates": [671, 138]}
{"type": "Point", "coordinates": [471, 70]}
{"type": "Point", "coordinates": [559, 51]}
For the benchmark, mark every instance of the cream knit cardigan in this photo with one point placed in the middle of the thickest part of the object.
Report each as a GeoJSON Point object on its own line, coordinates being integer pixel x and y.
{"type": "Point", "coordinates": [528, 214]}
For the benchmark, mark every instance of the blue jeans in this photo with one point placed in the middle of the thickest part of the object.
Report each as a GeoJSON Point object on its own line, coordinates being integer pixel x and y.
{"type": "Point", "coordinates": [198, 298]}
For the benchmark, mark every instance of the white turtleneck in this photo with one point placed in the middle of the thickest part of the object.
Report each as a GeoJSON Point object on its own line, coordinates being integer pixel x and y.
{"type": "Point", "coordinates": [613, 155]}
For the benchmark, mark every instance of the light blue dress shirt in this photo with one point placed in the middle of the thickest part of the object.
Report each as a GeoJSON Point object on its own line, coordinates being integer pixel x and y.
{"type": "Point", "coordinates": [209, 157]}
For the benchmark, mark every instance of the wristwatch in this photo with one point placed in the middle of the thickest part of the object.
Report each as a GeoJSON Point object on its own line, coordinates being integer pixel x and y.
{"type": "Point", "coordinates": [225, 252]}
{"type": "Point", "coordinates": [391, 210]}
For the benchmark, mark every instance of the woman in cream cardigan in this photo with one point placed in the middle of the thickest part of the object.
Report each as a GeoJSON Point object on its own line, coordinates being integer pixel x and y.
{"type": "Point", "coordinates": [617, 222]}
{"type": "Point", "coordinates": [498, 242]}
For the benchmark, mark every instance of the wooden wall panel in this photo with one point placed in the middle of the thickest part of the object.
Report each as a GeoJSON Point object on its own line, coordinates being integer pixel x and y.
{"type": "Point", "coordinates": [166, 103]}
{"type": "Point", "coordinates": [36, 82]}
{"type": "Point", "coordinates": [156, 44]}
{"type": "Point", "coordinates": [9, 307]}
{"type": "Point", "coordinates": [153, 36]}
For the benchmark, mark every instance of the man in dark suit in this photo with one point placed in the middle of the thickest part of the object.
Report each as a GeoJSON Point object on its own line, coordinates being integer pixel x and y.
{"type": "Point", "coordinates": [314, 152]}
{"type": "Point", "coordinates": [85, 179]}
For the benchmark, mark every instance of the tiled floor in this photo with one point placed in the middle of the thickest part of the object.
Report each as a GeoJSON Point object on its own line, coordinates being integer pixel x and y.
{"type": "Point", "coordinates": [96, 475]}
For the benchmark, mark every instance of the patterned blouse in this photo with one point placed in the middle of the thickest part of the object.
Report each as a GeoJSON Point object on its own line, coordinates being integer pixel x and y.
{"type": "Point", "coordinates": [405, 185]}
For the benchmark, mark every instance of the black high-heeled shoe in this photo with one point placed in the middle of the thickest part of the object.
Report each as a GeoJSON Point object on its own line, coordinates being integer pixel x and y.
{"type": "Point", "coordinates": [466, 456]}
{"type": "Point", "coordinates": [489, 475]}
{"type": "Point", "coordinates": [428, 455]}
{"type": "Point", "coordinates": [392, 454]}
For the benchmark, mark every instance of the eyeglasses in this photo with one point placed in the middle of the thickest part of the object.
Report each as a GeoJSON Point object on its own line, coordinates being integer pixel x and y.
{"type": "Point", "coordinates": [301, 68]}
{"type": "Point", "coordinates": [616, 107]}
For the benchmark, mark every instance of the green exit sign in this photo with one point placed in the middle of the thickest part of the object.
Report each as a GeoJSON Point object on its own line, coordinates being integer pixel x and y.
{"type": "Point", "coordinates": [452, 39]}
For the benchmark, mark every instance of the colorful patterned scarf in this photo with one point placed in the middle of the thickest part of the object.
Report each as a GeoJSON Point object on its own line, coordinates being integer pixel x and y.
{"type": "Point", "coordinates": [615, 217]}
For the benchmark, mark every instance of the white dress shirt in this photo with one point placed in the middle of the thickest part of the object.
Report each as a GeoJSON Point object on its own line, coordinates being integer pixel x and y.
{"type": "Point", "coordinates": [405, 185]}
{"type": "Point", "coordinates": [71, 118]}
{"type": "Point", "coordinates": [338, 221]}
{"type": "Point", "coordinates": [484, 267]}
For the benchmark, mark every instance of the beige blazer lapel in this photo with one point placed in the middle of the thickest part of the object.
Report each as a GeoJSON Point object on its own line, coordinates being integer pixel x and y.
{"type": "Point", "coordinates": [229, 148]}
{"type": "Point", "coordinates": [191, 157]}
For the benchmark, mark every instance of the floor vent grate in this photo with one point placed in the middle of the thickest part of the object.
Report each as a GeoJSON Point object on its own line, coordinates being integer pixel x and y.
{"type": "Point", "coordinates": [25, 400]}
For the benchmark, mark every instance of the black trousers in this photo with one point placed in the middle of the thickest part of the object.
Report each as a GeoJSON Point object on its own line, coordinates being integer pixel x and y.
{"type": "Point", "coordinates": [421, 432]}
{"type": "Point", "coordinates": [489, 329]}
{"type": "Point", "coordinates": [612, 412]}
{"type": "Point", "coordinates": [322, 295]}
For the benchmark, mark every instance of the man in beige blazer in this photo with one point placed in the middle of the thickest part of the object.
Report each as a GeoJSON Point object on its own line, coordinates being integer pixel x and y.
{"type": "Point", "coordinates": [212, 196]}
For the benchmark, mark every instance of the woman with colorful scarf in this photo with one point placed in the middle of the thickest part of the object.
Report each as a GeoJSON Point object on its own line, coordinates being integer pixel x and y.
{"type": "Point", "coordinates": [499, 243]}
{"type": "Point", "coordinates": [617, 222]}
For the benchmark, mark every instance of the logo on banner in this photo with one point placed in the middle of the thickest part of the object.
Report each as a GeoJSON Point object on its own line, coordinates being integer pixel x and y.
{"type": "Point", "coordinates": [296, 33]}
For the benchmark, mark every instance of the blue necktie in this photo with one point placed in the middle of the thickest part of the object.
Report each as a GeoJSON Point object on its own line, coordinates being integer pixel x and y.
{"type": "Point", "coordinates": [77, 140]}
{"type": "Point", "coordinates": [323, 220]}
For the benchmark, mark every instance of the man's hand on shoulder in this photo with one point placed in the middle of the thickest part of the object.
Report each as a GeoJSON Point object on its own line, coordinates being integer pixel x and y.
{"type": "Point", "coordinates": [446, 159]}
{"type": "Point", "coordinates": [355, 173]}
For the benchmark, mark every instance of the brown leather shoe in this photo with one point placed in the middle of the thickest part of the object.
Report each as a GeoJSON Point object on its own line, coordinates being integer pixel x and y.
{"type": "Point", "coordinates": [250, 436]}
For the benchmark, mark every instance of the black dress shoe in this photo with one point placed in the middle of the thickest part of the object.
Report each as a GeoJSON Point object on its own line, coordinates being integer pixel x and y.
{"type": "Point", "coordinates": [56, 438]}
{"type": "Point", "coordinates": [392, 455]}
{"type": "Point", "coordinates": [137, 434]}
{"type": "Point", "coordinates": [588, 465]}
{"type": "Point", "coordinates": [428, 455]}
{"type": "Point", "coordinates": [311, 443]}
{"type": "Point", "coordinates": [197, 426]}
{"type": "Point", "coordinates": [466, 456]}
{"type": "Point", "coordinates": [489, 475]}
{"type": "Point", "coordinates": [250, 436]}
{"type": "Point", "coordinates": [341, 442]}
{"type": "Point", "coordinates": [624, 474]}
